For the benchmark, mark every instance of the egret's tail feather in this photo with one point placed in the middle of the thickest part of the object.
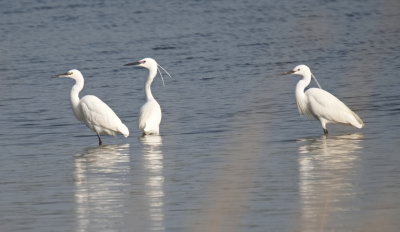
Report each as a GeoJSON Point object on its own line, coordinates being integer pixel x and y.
{"type": "Point", "coordinates": [359, 121]}
{"type": "Point", "coordinates": [124, 130]}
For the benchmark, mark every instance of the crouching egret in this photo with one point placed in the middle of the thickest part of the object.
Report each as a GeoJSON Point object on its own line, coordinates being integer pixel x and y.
{"type": "Point", "coordinates": [320, 104]}
{"type": "Point", "coordinates": [92, 111]}
{"type": "Point", "coordinates": [150, 113]}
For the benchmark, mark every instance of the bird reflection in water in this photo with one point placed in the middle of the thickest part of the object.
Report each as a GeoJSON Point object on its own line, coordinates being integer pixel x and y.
{"type": "Point", "coordinates": [153, 163]}
{"type": "Point", "coordinates": [328, 173]}
{"type": "Point", "coordinates": [100, 175]}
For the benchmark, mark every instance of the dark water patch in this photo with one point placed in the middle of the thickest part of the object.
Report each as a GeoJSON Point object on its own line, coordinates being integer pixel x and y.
{"type": "Point", "coordinates": [164, 47]}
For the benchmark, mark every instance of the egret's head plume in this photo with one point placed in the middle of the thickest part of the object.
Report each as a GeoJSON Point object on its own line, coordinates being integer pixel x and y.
{"type": "Point", "coordinates": [150, 64]}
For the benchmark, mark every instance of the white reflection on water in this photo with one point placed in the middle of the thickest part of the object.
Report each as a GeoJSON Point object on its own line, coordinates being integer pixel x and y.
{"type": "Point", "coordinates": [153, 163]}
{"type": "Point", "coordinates": [328, 170]}
{"type": "Point", "coordinates": [100, 176]}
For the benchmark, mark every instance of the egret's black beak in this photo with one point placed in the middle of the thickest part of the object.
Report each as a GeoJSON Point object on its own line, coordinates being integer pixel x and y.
{"type": "Point", "coordinates": [288, 72]}
{"type": "Point", "coordinates": [133, 63]}
{"type": "Point", "coordinates": [61, 75]}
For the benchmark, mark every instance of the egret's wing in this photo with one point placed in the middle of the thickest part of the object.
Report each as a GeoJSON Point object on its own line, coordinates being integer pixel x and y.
{"type": "Point", "coordinates": [98, 113]}
{"type": "Point", "coordinates": [324, 104]}
{"type": "Point", "coordinates": [303, 108]}
{"type": "Point", "coordinates": [149, 115]}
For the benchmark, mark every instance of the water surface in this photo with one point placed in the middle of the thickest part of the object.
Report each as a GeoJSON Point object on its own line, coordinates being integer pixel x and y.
{"type": "Point", "coordinates": [233, 155]}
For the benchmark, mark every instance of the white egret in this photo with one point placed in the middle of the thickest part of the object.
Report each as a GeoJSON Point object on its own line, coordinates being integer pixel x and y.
{"type": "Point", "coordinates": [320, 104]}
{"type": "Point", "coordinates": [92, 111]}
{"type": "Point", "coordinates": [150, 113]}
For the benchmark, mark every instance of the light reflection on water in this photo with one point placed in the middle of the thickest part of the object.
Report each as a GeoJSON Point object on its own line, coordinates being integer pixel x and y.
{"type": "Point", "coordinates": [327, 172]}
{"type": "Point", "coordinates": [99, 177]}
{"type": "Point", "coordinates": [154, 183]}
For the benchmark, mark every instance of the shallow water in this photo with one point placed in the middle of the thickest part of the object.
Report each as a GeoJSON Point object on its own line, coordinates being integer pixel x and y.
{"type": "Point", "coordinates": [234, 154]}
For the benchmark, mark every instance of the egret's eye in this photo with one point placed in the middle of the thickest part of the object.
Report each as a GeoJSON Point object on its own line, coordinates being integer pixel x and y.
{"type": "Point", "coordinates": [298, 69]}
{"type": "Point", "coordinates": [143, 61]}
{"type": "Point", "coordinates": [69, 73]}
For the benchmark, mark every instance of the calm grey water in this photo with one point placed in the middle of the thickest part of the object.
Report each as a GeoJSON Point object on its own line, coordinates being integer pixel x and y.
{"type": "Point", "coordinates": [234, 154]}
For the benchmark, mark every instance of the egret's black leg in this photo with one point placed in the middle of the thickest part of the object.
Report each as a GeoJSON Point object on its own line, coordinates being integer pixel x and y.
{"type": "Point", "coordinates": [100, 142]}
{"type": "Point", "coordinates": [325, 131]}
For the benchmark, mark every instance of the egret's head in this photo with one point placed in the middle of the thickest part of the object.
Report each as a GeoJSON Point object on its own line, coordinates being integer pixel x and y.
{"type": "Point", "coordinates": [299, 70]}
{"type": "Point", "coordinates": [148, 63]}
{"type": "Point", "coordinates": [151, 65]}
{"type": "Point", "coordinates": [73, 74]}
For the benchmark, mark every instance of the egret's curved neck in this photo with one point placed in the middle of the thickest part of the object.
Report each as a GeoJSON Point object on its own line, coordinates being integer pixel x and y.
{"type": "Point", "coordinates": [147, 86]}
{"type": "Point", "coordinates": [301, 85]}
{"type": "Point", "coordinates": [79, 82]}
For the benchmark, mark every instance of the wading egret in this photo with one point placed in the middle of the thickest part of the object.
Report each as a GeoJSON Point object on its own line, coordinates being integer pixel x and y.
{"type": "Point", "coordinates": [150, 112]}
{"type": "Point", "coordinates": [320, 104]}
{"type": "Point", "coordinates": [92, 111]}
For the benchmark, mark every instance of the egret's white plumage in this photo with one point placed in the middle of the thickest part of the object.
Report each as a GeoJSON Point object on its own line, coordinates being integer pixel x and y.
{"type": "Point", "coordinates": [92, 111]}
{"type": "Point", "coordinates": [150, 113]}
{"type": "Point", "coordinates": [320, 104]}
